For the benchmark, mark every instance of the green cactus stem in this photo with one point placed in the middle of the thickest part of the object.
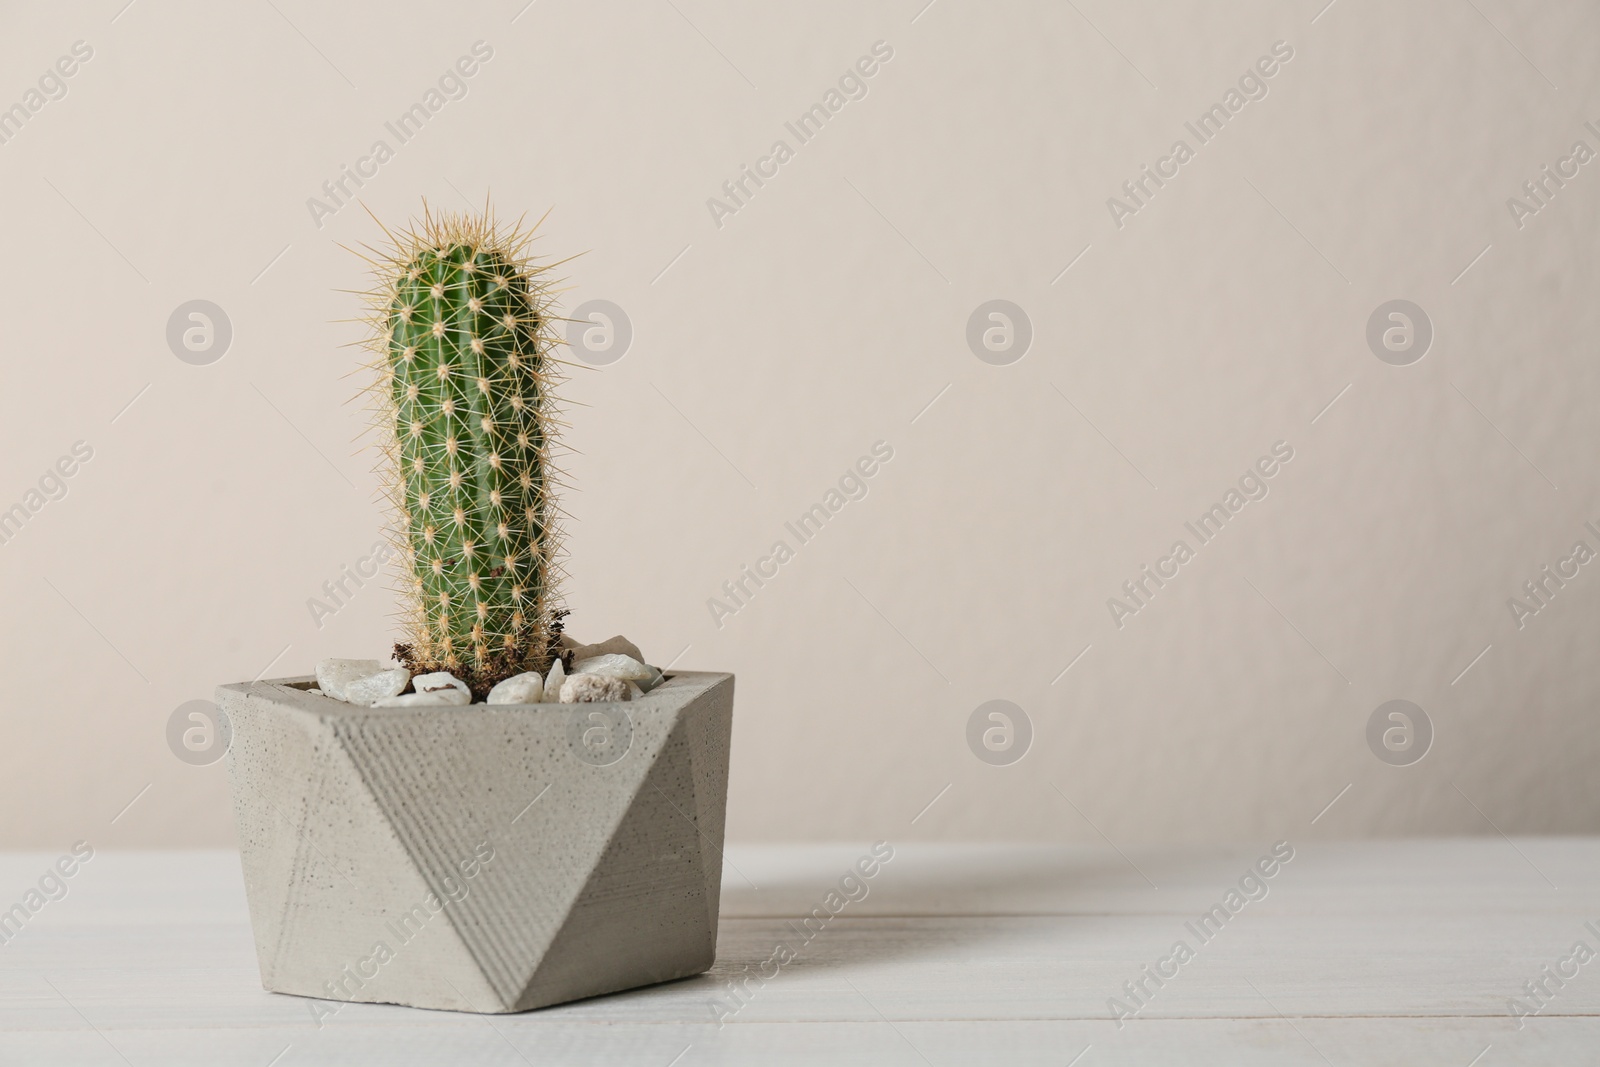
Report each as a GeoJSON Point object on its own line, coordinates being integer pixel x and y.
{"type": "Point", "coordinates": [464, 387]}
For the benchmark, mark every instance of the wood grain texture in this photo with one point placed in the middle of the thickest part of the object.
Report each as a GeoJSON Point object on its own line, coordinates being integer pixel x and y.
{"type": "Point", "coordinates": [1401, 952]}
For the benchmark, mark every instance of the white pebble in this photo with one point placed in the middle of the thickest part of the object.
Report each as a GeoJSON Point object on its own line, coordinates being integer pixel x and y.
{"type": "Point", "coordinates": [434, 698]}
{"type": "Point", "coordinates": [380, 686]}
{"type": "Point", "coordinates": [615, 665]}
{"type": "Point", "coordinates": [593, 689]}
{"type": "Point", "coordinates": [333, 675]}
{"type": "Point", "coordinates": [552, 683]}
{"type": "Point", "coordinates": [440, 680]}
{"type": "Point", "coordinates": [617, 645]}
{"type": "Point", "coordinates": [525, 688]}
{"type": "Point", "coordinates": [441, 688]}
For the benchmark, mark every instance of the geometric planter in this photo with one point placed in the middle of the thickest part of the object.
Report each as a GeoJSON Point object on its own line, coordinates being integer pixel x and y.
{"type": "Point", "coordinates": [488, 858]}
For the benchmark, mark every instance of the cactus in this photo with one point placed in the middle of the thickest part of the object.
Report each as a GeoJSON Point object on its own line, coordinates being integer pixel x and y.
{"type": "Point", "coordinates": [465, 370]}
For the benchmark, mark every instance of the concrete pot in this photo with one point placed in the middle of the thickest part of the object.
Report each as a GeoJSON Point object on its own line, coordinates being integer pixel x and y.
{"type": "Point", "coordinates": [491, 858]}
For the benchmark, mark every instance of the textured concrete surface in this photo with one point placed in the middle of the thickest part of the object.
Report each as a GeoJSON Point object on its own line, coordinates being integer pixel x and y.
{"type": "Point", "coordinates": [493, 858]}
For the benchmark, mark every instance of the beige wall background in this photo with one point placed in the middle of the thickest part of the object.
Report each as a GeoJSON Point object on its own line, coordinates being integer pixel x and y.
{"type": "Point", "coordinates": [773, 346]}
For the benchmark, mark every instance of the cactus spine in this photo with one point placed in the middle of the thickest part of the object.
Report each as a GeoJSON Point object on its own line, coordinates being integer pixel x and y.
{"type": "Point", "coordinates": [465, 373]}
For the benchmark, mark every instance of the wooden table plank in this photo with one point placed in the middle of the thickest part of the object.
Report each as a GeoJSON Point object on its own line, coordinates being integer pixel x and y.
{"type": "Point", "coordinates": [1402, 952]}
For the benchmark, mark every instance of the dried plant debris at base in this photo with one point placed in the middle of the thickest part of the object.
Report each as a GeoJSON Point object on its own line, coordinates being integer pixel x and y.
{"type": "Point", "coordinates": [480, 680]}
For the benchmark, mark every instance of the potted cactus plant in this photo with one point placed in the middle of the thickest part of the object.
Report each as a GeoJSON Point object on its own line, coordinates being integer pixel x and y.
{"type": "Point", "coordinates": [505, 819]}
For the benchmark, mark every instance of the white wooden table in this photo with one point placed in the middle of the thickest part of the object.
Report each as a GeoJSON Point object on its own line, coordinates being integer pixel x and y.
{"type": "Point", "coordinates": [1403, 952]}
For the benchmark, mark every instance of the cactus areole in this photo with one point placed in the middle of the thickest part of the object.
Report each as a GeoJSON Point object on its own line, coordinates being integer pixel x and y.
{"type": "Point", "coordinates": [464, 393]}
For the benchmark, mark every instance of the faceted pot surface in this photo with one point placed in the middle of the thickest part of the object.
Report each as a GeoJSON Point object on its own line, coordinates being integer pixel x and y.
{"type": "Point", "coordinates": [489, 858]}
